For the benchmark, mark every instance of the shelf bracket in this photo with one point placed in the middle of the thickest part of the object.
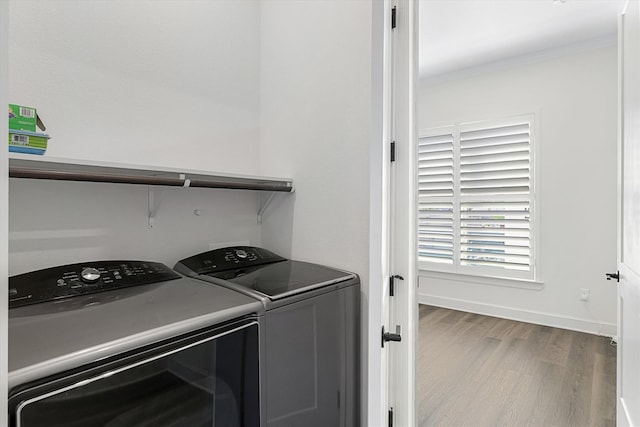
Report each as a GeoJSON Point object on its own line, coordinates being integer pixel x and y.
{"type": "Point", "coordinates": [264, 204]}
{"type": "Point", "coordinates": [186, 182]}
{"type": "Point", "coordinates": [152, 207]}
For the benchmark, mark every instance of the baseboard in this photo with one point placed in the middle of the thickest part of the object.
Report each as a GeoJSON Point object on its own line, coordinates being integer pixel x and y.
{"type": "Point", "coordinates": [539, 318]}
{"type": "Point", "coordinates": [623, 416]}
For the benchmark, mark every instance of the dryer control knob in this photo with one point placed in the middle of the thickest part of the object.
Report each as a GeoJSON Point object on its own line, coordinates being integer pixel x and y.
{"type": "Point", "coordinates": [241, 254]}
{"type": "Point", "coordinates": [90, 275]}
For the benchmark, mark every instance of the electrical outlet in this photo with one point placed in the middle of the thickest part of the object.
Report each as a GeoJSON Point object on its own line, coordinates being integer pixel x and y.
{"type": "Point", "coordinates": [584, 294]}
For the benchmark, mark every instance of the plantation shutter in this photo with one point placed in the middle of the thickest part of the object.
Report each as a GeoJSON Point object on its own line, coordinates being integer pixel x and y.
{"type": "Point", "coordinates": [495, 188]}
{"type": "Point", "coordinates": [476, 198]}
{"type": "Point", "coordinates": [435, 198]}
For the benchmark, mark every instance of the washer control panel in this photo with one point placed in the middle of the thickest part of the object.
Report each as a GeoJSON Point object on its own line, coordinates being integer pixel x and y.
{"type": "Point", "coordinates": [228, 259]}
{"type": "Point", "coordinates": [85, 278]}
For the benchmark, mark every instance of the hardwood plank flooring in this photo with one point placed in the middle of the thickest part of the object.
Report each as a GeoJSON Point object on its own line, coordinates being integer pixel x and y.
{"type": "Point", "coordinates": [476, 370]}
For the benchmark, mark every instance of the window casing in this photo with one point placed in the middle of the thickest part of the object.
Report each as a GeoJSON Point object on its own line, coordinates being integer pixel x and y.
{"type": "Point", "coordinates": [476, 199]}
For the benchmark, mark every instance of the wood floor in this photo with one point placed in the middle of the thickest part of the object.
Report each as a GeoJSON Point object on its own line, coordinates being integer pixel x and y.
{"type": "Point", "coordinates": [476, 370]}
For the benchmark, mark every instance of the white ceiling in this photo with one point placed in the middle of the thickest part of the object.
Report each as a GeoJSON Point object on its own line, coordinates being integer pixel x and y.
{"type": "Point", "coordinates": [457, 35]}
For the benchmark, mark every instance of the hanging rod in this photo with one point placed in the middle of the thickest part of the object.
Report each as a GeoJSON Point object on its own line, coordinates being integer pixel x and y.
{"type": "Point", "coordinates": [119, 175]}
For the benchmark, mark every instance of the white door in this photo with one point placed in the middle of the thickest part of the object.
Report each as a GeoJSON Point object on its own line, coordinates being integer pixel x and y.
{"type": "Point", "coordinates": [403, 307]}
{"type": "Point", "coordinates": [628, 402]}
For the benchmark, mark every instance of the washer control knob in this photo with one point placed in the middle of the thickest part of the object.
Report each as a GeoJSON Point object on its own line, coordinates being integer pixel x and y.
{"type": "Point", "coordinates": [242, 254]}
{"type": "Point", "coordinates": [90, 275]}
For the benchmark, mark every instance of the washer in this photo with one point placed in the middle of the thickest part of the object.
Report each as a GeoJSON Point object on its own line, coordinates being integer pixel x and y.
{"type": "Point", "coordinates": [311, 332]}
{"type": "Point", "coordinates": [131, 343]}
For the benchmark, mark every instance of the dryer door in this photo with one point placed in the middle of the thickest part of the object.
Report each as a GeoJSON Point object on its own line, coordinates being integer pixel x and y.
{"type": "Point", "coordinates": [312, 361]}
{"type": "Point", "coordinates": [209, 379]}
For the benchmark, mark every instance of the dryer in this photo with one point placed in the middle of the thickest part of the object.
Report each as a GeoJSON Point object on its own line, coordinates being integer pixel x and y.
{"type": "Point", "coordinates": [130, 343]}
{"type": "Point", "coordinates": [311, 332]}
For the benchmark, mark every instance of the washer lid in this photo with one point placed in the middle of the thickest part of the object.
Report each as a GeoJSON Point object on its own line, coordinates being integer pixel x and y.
{"type": "Point", "coordinates": [282, 279]}
{"type": "Point", "coordinates": [53, 337]}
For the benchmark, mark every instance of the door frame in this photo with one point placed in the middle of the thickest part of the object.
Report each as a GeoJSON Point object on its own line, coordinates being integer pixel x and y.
{"type": "Point", "coordinates": [4, 212]}
{"type": "Point", "coordinates": [628, 292]}
{"type": "Point", "coordinates": [404, 303]}
{"type": "Point", "coordinates": [392, 214]}
{"type": "Point", "coordinates": [375, 380]}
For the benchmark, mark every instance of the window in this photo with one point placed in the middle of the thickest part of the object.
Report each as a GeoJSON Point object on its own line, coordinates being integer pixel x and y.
{"type": "Point", "coordinates": [476, 199]}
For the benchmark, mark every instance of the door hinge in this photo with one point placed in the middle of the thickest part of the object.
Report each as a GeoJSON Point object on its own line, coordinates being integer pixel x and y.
{"type": "Point", "coordinates": [391, 417]}
{"type": "Point", "coordinates": [615, 275]}
{"type": "Point", "coordinates": [388, 336]}
{"type": "Point", "coordinates": [393, 151]}
{"type": "Point", "coordinates": [393, 17]}
{"type": "Point", "coordinates": [392, 284]}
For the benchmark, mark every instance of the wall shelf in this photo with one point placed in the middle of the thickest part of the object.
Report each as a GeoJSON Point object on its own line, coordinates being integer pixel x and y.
{"type": "Point", "coordinates": [60, 169]}
{"type": "Point", "coordinates": [28, 166]}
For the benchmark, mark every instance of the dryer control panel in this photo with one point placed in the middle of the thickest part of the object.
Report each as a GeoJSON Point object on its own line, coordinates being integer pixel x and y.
{"type": "Point", "coordinates": [84, 278]}
{"type": "Point", "coordinates": [227, 259]}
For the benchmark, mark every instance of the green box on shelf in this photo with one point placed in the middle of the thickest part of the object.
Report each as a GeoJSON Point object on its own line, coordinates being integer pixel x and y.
{"type": "Point", "coordinates": [24, 118]}
{"type": "Point", "coordinates": [27, 142]}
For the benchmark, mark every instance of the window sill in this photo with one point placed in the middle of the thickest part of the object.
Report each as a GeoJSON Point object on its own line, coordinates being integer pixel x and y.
{"type": "Point", "coordinates": [533, 285]}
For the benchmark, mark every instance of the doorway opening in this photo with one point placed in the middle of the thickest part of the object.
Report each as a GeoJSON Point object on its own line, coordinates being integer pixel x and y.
{"type": "Point", "coordinates": [515, 222]}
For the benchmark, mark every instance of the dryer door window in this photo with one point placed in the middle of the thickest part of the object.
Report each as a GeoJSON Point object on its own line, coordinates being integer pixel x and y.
{"type": "Point", "coordinates": [209, 382]}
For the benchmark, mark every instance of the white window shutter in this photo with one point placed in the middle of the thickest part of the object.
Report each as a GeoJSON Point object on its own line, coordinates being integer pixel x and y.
{"type": "Point", "coordinates": [495, 160]}
{"type": "Point", "coordinates": [435, 166]}
{"type": "Point", "coordinates": [435, 232]}
{"type": "Point", "coordinates": [494, 168]}
{"type": "Point", "coordinates": [435, 199]}
{"type": "Point", "coordinates": [495, 234]}
{"type": "Point", "coordinates": [476, 198]}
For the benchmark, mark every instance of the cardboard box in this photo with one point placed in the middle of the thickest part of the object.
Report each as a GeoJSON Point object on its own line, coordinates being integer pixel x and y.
{"type": "Point", "coordinates": [27, 142]}
{"type": "Point", "coordinates": [24, 118]}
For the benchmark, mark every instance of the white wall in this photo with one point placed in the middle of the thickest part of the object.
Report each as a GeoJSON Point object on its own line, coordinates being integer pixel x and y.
{"type": "Point", "coordinates": [54, 223]}
{"type": "Point", "coordinates": [574, 99]}
{"type": "Point", "coordinates": [167, 83]}
{"type": "Point", "coordinates": [315, 113]}
{"type": "Point", "coordinates": [280, 88]}
{"type": "Point", "coordinates": [315, 86]}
